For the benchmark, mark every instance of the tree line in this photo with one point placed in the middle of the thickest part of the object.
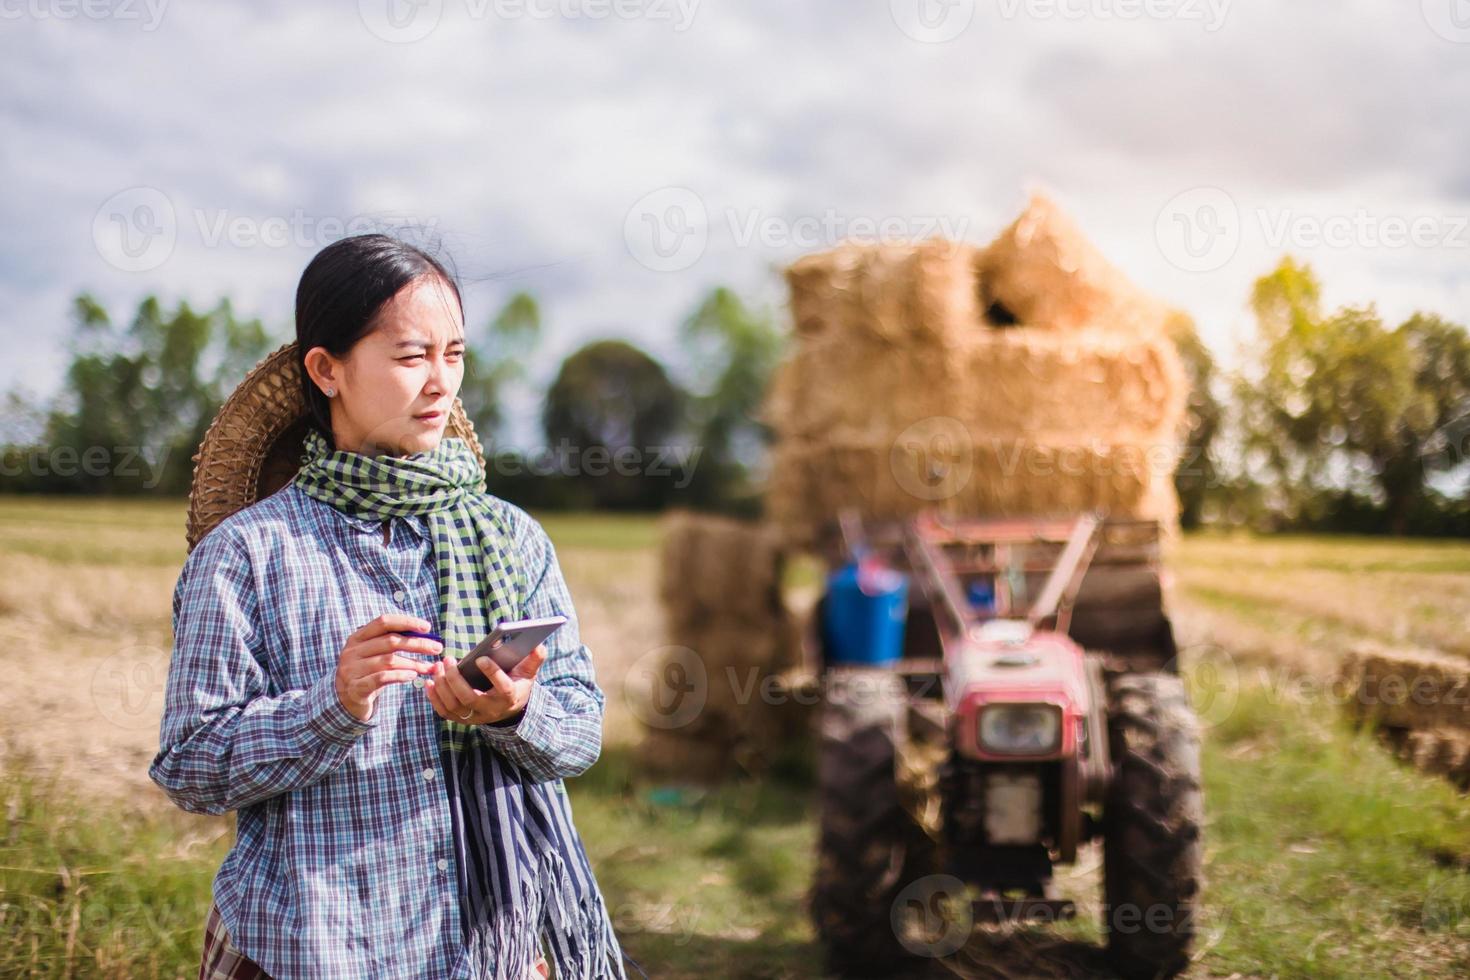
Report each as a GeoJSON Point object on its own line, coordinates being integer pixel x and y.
{"type": "Point", "coordinates": [1330, 420]}
{"type": "Point", "coordinates": [620, 430]}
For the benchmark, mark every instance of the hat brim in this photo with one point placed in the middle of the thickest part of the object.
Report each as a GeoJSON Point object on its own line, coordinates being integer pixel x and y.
{"type": "Point", "coordinates": [253, 447]}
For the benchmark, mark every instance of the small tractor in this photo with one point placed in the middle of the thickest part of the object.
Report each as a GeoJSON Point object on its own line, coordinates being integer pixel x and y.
{"type": "Point", "coordinates": [978, 729]}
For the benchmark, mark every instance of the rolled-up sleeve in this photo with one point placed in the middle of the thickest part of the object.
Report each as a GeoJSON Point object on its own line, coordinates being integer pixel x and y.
{"type": "Point", "coordinates": [559, 732]}
{"type": "Point", "coordinates": [224, 741]}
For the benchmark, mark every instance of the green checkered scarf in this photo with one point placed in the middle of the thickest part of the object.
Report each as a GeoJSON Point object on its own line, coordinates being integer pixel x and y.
{"type": "Point", "coordinates": [478, 587]}
{"type": "Point", "coordinates": [523, 872]}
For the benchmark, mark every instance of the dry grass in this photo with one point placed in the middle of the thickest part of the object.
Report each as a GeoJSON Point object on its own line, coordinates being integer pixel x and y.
{"type": "Point", "coordinates": [1328, 591]}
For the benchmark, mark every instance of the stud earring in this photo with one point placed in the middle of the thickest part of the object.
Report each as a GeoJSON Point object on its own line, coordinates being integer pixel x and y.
{"type": "Point", "coordinates": [331, 392]}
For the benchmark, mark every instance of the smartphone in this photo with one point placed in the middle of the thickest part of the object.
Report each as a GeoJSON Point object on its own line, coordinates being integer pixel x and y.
{"type": "Point", "coordinates": [506, 646]}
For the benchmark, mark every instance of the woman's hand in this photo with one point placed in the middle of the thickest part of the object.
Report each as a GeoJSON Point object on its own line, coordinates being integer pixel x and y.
{"type": "Point", "coordinates": [454, 700]}
{"type": "Point", "coordinates": [373, 658]}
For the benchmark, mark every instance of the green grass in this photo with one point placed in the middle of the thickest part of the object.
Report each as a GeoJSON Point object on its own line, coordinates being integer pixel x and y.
{"type": "Point", "coordinates": [88, 891]}
{"type": "Point", "coordinates": [1325, 858]}
{"type": "Point", "coordinates": [689, 877]}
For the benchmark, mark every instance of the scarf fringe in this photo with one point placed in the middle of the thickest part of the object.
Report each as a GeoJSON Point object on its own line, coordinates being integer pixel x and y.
{"type": "Point", "coordinates": [507, 948]}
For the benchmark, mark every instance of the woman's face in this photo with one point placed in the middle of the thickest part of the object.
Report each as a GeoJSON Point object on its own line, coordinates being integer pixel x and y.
{"type": "Point", "coordinates": [396, 386]}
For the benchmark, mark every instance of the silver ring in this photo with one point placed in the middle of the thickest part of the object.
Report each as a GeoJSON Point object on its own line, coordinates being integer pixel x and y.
{"type": "Point", "coordinates": [467, 715]}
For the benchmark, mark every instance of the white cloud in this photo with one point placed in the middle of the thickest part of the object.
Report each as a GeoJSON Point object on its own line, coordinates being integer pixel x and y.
{"type": "Point", "coordinates": [526, 141]}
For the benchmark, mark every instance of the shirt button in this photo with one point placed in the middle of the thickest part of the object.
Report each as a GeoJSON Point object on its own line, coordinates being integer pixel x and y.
{"type": "Point", "coordinates": [399, 595]}
{"type": "Point", "coordinates": [442, 864]}
{"type": "Point", "coordinates": [428, 774]}
{"type": "Point", "coordinates": [418, 682]}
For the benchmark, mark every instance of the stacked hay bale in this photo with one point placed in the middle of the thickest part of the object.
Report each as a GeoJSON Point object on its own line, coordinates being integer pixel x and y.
{"type": "Point", "coordinates": [1027, 377]}
{"type": "Point", "coordinates": [707, 697]}
{"type": "Point", "coordinates": [1419, 701]}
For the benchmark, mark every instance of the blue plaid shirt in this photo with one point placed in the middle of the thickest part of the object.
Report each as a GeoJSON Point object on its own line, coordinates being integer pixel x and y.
{"type": "Point", "coordinates": [344, 864]}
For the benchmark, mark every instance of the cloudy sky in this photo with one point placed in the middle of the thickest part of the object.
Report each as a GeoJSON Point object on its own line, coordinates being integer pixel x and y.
{"type": "Point", "coordinates": [618, 158]}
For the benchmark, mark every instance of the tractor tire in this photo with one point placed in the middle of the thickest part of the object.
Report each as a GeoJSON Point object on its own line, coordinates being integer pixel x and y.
{"type": "Point", "coordinates": [868, 849]}
{"type": "Point", "coordinates": [1153, 855]}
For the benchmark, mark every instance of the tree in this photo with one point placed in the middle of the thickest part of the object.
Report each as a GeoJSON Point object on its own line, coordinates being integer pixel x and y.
{"type": "Point", "coordinates": [733, 351]}
{"type": "Point", "coordinates": [491, 366]}
{"type": "Point", "coordinates": [1198, 477]}
{"type": "Point", "coordinates": [610, 417]}
{"type": "Point", "coordinates": [1348, 416]}
{"type": "Point", "coordinates": [138, 401]}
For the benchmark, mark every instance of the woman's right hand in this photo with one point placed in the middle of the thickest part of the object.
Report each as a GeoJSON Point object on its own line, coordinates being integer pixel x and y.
{"type": "Point", "coordinates": [373, 658]}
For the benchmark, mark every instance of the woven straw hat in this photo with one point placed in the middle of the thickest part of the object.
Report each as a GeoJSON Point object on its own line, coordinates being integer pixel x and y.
{"type": "Point", "coordinates": [253, 447]}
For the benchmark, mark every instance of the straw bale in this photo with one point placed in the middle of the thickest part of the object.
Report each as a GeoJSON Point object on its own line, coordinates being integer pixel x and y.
{"type": "Point", "coordinates": [714, 567]}
{"type": "Point", "coordinates": [898, 295]}
{"type": "Point", "coordinates": [1045, 272]}
{"type": "Point", "coordinates": [812, 481]}
{"type": "Point", "coordinates": [1408, 687]}
{"type": "Point", "coordinates": [998, 383]}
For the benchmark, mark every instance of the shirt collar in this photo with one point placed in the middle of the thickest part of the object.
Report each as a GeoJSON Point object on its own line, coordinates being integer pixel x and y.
{"type": "Point", "coordinates": [414, 522]}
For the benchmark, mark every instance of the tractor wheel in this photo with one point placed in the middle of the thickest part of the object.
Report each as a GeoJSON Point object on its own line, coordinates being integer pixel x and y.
{"type": "Point", "coordinates": [869, 849]}
{"type": "Point", "coordinates": [1153, 855]}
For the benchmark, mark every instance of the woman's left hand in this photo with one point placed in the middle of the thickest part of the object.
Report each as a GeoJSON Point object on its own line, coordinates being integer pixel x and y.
{"type": "Point", "coordinates": [454, 700]}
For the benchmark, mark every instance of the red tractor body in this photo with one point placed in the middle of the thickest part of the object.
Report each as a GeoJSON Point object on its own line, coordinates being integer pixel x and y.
{"type": "Point", "coordinates": [1032, 708]}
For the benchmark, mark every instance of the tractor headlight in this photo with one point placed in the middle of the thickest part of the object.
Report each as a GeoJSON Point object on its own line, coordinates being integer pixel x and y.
{"type": "Point", "coordinates": [1021, 729]}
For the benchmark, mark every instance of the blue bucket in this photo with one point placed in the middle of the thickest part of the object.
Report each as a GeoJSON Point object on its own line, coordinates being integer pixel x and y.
{"type": "Point", "coordinates": [864, 614]}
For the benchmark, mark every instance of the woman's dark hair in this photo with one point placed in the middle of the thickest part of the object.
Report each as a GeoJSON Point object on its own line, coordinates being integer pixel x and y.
{"type": "Point", "coordinates": [339, 297]}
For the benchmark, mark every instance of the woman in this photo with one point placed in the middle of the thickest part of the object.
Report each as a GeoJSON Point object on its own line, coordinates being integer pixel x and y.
{"type": "Point", "coordinates": [393, 821]}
